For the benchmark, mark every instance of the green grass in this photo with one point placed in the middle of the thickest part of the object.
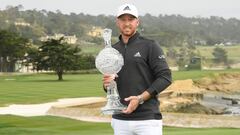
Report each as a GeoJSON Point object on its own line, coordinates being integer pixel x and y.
{"type": "Point", "coordinates": [232, 51]}
{"type": "Point", "coordinates": [49, 125]}
{"type": "Point", "coordinates": [200, 131]}
{"type": "Point", "coordinates": [197, 74]}
{"type": "Point", "coordinates": [41, 88]}
{"type": "Point", "coordinates": [206, 51]}
{"type": "Point", "coordinates": [92, 49]}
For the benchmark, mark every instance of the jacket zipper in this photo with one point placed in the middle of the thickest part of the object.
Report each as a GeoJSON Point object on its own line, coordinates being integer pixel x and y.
{"type": "Point", "coordinates": [125, 51]}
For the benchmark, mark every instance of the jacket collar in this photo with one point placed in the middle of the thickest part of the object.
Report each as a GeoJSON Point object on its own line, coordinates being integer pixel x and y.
{"type": "Point", "coordinates": [131, 39]}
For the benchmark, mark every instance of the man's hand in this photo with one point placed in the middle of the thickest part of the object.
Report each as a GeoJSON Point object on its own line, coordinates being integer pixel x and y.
{"type": "Point", "coordinates": [133, 104]}
{"type": "Point", "coordinates": [107, 79]}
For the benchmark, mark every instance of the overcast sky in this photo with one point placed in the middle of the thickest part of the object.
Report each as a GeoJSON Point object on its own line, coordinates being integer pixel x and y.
{"type": "Point", "coordinates": [188, 8]}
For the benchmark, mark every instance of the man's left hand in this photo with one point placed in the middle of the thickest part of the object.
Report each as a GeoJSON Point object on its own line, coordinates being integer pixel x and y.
{"type": "Point", "coordinates": [133, 104]}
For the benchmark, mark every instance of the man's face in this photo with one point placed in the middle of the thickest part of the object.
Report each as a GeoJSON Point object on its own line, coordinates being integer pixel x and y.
{"type": "Point", "coordinates": [127, 24]}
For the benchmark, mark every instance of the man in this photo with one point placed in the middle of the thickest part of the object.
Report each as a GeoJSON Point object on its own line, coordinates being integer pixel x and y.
{"type": "Point", "coordinates": [144, 75]}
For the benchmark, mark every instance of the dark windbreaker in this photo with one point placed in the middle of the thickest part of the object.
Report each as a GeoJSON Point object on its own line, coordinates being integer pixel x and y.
{"type": "Point", "coordinates": [145, 68]}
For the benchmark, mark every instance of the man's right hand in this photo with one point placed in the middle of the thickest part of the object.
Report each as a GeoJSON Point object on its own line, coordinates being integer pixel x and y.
{"type": "Point", "coordinates": [107, 79]}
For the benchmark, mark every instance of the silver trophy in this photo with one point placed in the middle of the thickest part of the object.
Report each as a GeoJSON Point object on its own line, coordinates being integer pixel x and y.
{"type": "Point", "coordinates": [110, 61]}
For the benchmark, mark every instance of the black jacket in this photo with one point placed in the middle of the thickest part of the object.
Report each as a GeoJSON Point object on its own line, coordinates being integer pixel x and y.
{"type": "Point", "coordinates": [145, 68]}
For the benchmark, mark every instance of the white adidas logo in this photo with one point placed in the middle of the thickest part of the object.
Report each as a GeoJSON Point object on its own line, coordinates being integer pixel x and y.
{"type": "Point", "coordinates": [161, 57]}
{"type": "Point", "coordinates": [137, 54]}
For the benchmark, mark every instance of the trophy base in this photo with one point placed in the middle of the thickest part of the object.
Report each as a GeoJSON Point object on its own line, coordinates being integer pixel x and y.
{"type": "Point", "coordinates": [111, 111]}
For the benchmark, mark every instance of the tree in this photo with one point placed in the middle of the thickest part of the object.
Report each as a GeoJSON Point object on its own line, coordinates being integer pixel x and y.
{"type": "Point", "coordinates": [58, 56]}
{"type": "Point", "coordinates": [183, 57]}
{"type": "Point", "coordinates": [87, 61]}
{"type": "Point", "coordinates": [185, 54]}
{"type": "Point", "coordinates": [220, 55]}
{"type": "Point", "coordinates": [12, 49]}
{"type": "Point", "coordinates": [31, 58]}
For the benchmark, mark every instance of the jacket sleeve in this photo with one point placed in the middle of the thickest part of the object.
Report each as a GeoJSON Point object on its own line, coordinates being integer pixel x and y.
{"type": "Point", "coordinates": [160, 70]}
